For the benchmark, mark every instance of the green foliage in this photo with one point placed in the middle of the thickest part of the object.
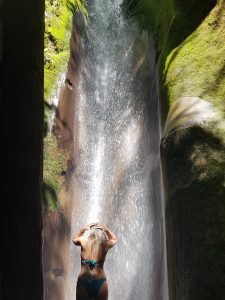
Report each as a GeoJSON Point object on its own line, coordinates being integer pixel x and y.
{"type": "Point", "coordinates": [49, 197]}
{"type": "Point", "coordinates": [195, 158]}
{"type": "Point", "coordinates": [78, 5]}
{"type": "Point", "coordinates": [58, 25]}
{"type": "Point", "coordinates": [54, 165]}
{"type": "Point", "coordinates": [169, 21]}
{"type": "Point", "coordinates": [53, 68]}
{"type": "Point", "coordinates": [189, 37]}
{"type": "Point", "coordinates": [197, 66]}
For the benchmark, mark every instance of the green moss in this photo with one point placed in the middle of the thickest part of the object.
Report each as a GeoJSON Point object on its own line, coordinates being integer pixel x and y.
{"type": "Point", "coordinates": [171, 23]}
{"type": "Point", "coordinates": [189, 37]}
{"type": "Point", "coordinates": [197, 66]}
{"type": "Point", "coordinates": [49, 197]}
{"type": "Point", "coordinates": [78, 5]}
{"type": "Point", "coordinates": [56, 67]}
{"type": "Point", "coordinates": [54, 165]}
{"type": "Point", "coordinates": [58, 25]}
{"type": "Point", "coordinates": [194, 161]}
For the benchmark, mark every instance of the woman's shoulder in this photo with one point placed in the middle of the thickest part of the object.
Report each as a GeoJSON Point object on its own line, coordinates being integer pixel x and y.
{"type": "Point", "coordinates": [108, 244]}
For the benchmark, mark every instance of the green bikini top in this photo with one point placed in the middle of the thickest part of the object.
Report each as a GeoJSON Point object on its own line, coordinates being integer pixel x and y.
{"type": "Point", "coordinates": [92, 263]}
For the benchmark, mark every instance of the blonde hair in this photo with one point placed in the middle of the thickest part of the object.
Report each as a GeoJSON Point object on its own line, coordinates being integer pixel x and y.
{"type": "Point", "coordinates": [96, 238]}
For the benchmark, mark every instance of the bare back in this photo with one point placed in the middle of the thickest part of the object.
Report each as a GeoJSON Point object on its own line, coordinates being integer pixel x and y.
{"type": "Point", "coordinates": [86, 251]}
{"type": "Point", "coordinates": [98, 271]}
{"type": "Point", "coordinates": [92, 282]}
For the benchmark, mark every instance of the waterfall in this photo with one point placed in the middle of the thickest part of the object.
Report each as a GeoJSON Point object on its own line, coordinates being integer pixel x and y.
{"type": "Point", "coordinates": [117, 173]}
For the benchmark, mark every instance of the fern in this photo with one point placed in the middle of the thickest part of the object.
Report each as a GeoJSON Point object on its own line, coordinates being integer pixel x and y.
{"type": "Point", "coordinates": [76, 5]}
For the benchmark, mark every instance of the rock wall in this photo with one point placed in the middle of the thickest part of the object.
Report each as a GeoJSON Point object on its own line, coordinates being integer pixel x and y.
{"type": "Point", "coordinates": [61, 64]}
{"type": "Point", "coordinates": [193, 155]}
{"type": "Point", "coordinates": [59, 39]}
{"type": "Point", "coordinates": [58, 213]}
{"type": "Point", "coordinates": [190, 44]}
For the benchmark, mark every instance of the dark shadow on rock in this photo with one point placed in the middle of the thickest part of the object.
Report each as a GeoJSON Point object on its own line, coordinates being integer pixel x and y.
{"type": "Point", "coordinates": [194, 165]}
{"type": "Point", "coordinates": [22, 130]}
{"type": "Point", "coordinates": [49, 196]}
{"type": "Point", "coordinates": [55, 254]}
{"type": "Point", "coordinates": [189, 16]}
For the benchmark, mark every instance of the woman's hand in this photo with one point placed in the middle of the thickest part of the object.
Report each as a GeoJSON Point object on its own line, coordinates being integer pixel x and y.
{"type": "Point", "coordinates": [92, 225]}
{"type": "Point", "coordinates": [81, 232]}
{"type": "Point", "coordinates": [87, 227]}
{"type": "Point", "coordinates": [99, 227]}
{"type": "Point", "coordinates": [104, 228]}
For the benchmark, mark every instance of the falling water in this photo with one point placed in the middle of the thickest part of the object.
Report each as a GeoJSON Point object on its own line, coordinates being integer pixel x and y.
{"type": "Point", "coordinates": [117, 178]}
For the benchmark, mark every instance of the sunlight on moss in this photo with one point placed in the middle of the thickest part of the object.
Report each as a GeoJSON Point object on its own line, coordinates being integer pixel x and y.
{"type": "Point", "coordinates": [190, 51]}
{"type": "Point", "coordinates": [197, 66]}
{"type": "Point", "coordinates": [80, 5]}
{"type": "Point", "coordinates": [54, 162]}
{"type": "Point", "coordinates": [58, 26]}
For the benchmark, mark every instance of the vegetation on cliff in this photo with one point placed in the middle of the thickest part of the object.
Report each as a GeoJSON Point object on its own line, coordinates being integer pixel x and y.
{"type": "Point", "coordinates": [189, 38]}
{"type": "Point", "coordinates": [58, 27]}
{"type": "Point", "coordinates": [196, 67]}
{"type": "Point", "coordinates": [179, 40]}
{"type": "Point", "coordinates": [55, 163]}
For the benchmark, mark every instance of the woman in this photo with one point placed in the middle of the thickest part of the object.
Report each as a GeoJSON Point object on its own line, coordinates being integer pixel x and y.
{"type": "Point", "coordinates": [94, 244]}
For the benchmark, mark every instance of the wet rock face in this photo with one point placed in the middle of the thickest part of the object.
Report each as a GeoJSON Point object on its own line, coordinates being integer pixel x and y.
{"type": "Point", "coordinates": [194, 164]}
{"type": "Point", "coordinates": [190, 51]}
{"type": "Point", "coordinates": [193, 158]}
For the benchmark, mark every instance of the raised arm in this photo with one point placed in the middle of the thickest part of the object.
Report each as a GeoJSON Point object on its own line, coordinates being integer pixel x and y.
{"type": "Point", "coordinates": [78, 238]}
{"type": "Point", "coordinates": [112, 238]}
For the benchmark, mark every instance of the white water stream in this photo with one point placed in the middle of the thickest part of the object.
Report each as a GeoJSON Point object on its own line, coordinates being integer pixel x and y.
{"type": "Point", "coordinates": [118, 166]}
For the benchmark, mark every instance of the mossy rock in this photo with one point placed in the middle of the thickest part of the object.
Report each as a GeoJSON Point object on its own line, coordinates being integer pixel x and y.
{"type": "Point", "coordinates": [58, 27]}
{"type": "Point", "coordinates": [197, 66]}
{"type": "Point", "coordinates": [194, 164]}
{"type": "Point", "coordinates": [189, 38]}
{"type": "Point", "coordinates": [55, 165]}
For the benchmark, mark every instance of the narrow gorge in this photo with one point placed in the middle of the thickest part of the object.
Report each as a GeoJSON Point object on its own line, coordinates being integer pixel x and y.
{"type": "Point", "coordinates": [117, 115]}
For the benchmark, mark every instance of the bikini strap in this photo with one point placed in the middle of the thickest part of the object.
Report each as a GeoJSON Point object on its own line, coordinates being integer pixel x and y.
{"type": "Point", "coordinates": [92, 263]}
